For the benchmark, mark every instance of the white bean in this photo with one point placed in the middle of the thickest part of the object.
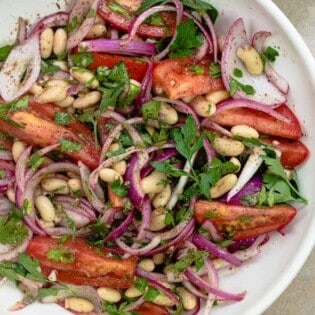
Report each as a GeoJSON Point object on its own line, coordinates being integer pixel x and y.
{"type": "Point", "coordinates": [157, 220]}
{"type": "Point", "coordinates": [75, 185]}
{"type": "Point", "coordinates": [17, 148]}
{"type": "Point", "coordinates": [45, 208]}
{"type": "Point", "coordinates": [132, 292]}
{"type": "Point", "coordinates": [85, 76]}
{"type": "Point", "coordinates": [55, 185]}
{"type": "Point", "coordinates": [46, 43]}
{"type": "Point", "coordinates": [228, 147]}
{"type": "Point", "coordinates": [97, 30]}
{"type": "Point", "coordinates": [87, 100]}
{"type": "Point", "coordinates": [159, 259]}
{"type": "Point", "coordinates": [109, 294]}
{"type": "Point", "coordinates": [225, 184]}
{"type": "Point", "coordinates": [36, 89]}
{"type": "Point", "coordinates": [11, 194]}
{"type": "Point", "coordinates": [60, 41]}
{"type": "Point", "coordinates": [55, 93]}
{"type": "Point", "coordinates": [61, 64]}
{"type": "Point", "coordinates": [57, 82]}
{"type": "Point", "coordinates": [114, 147]}
{"type": "Point", "coordinates": [146, 264]}
{"type": "Point", "coordinates": [188, 299]}
{"type": "Point", "coordinates": [68, 101]}
{"type": "Point", "coordinates": [153, 183]}
{"type": "Point", "coordinates": [217, 96]}
{"type": "Point", "coordinates": [120, 167]}
{"type": "Point", "coordinates": [251, 59]}
{"type": "Point", "coordinates": [168, 114]}
{"type": "Point", "coordinates": [163, 300]}
{"type": "Point", "coordinates": [203, 107]}
{"type": "Point", "coordinates": [109, 175]}
{"type": "Point", "coordinates": [161, 199]}
{"type": "Point", "coordinates": [47, 224]}
{"type": "Point", "coordinates": [99, 20]}
{"type": "Point", "coordinates": [244, 131]}
{"type": "Point", "coordinates": [78, 304]}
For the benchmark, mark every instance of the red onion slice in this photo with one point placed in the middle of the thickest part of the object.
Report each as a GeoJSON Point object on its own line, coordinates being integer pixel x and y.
{"type": "Point", "coordinates": [266, 92]}
{"type": "Point", "coordinates": [114, 46]}
{"type": "Point", "coordinates": [85, 12]}
{"type": "Point", "coordinates": [139, 251]}
{"type": "Point", "coordinates": [21, 34]}
{"type": "Point", "coordinates": [275, 78]}
{"type": "Point", "coordinates": [155, 284]}
{"type": "Point", "coordinates": [213, 36]}
{"type": "Point", "coordinates": [118, 232]}
{"type": "Point", "coordinates": [20, 70]}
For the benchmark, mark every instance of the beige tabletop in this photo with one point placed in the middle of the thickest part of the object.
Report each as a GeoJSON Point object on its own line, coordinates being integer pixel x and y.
{"type": "Point", "coordinates": [299, 298]}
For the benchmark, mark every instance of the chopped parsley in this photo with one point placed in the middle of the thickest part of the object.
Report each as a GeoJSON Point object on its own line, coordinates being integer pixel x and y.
{"type": "Point", "coordinates": [69, 146]}
{"type": "Point", "coordinates": [215, 70]}
{"type": "Point", "coordinates": [196, 69]}
{"type": "Point", "coordinates": [87, 117]}
{"type": "Point", "coordinates": [5, 51]}
{"type": "Point", "coordinates": [150, 109]}
{"type": "Point", "coordinates": [72, 25]}
{"type": "Point", "coordinates": [63, 119]}
{"type": "Point", "coordinates": [193, 257]}
{"type": "Point", "coordinates": [235, 86]}
{"type": "Point", "coordinates": [270, 54]}
{"type": "Point", "coordinates": [117, 8]}
{"type": "Point", "coordinates": [48, 67]}
{"type": "Point", "coordinates": [83, 59]}
{"type": "Point", "coordinates": [120, 189]}
{"type": "Point", "coordinates": [238, 73]}
{"type": "Point", "coordinates": [62, 255]}
{"type": "Point", "coordinates": [35, 161]}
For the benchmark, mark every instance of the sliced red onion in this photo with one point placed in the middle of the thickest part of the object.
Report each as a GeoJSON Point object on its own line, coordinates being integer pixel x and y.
{"type": "Point", "coordinates": [21, 33]}
{"type": "Point", "coordinates": [21, 167]}
{"type": "Point", "coordinates": [192, 289]}
{"type": "Point", "coordinates": [7, 180]}
{"type": "Point", "coordinates": [202, 284]}
{"type": "Point", "coordinates": [213, 36]}
{"type": "Point", "coordinates": [139, 251]}
{"type": "Point", "coordinates": [20, 70]}
{"type": "Point", "coordinates": [6, 206]}
{"type": "Point", "coordinates": [113, 46]}
{"type": "Point", "coordinates": [211, 154]}
{"type": "Point", "coordinates": [214, 280]}
{"type": "Point", "coordinates": [209, 124]}
{"type": "Point", "coordinates": [61, 75]}
{"type": "Point", "coordinates": [146, 210]}
{"type": "Point", "coordinates": [214, 233]}
{"type": "Point", "coordinates": [275, 78]}
{"type": "Point", "coordinates": [154, 276]}
{"type": "Point", "coordinates": [203, 243]}
{"type": "Point", "coordinates": [250, 168]}
{"type": "Point", "coordinates": [53, 20]}
{"type": "Point", "coordinates": [266, 92]}
{"type": "Point", "coordinates": [241, 244]}
{"type": "Point", "coordinates": [202, 51]}
{"type": "Point", "coordinates": [241, 103]}
{"type": "Point", "coordinates": [85, 12]}
{"type": "Point", "coordinates": [146, 85]}
{"type": "Point", "coordinates": [167, 292]}
{"type": "Point", "coordinates": [174, 232]}
{"type": "Point", "coordinates": [118, 232]}
{"type": "Point", "coordinates": [13, 252]}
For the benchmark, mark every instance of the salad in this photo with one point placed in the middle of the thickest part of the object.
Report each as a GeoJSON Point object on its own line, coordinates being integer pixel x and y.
{"type": "Point", "coordinates": [141, 154]}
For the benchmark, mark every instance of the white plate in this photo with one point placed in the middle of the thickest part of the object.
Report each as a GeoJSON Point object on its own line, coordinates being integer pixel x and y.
{"type": "Point", "coordinates": [267, 276]}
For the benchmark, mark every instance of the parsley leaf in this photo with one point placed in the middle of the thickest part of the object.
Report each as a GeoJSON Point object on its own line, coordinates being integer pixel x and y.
{"type": "Point", "coordinates": [193, 257]}
{"type": "Point", "coordinates": [117, 8]}
{"type": "Point", "coordinates": [151, 294]}
{"type": "Point", "coordinates": [238, 73]}
{"type": "Point", "coordinates": [32, 267]}
{"type": "Point", "coordinates": [235, 86]}
{"type": "Point", "coordinates": [5, 51]}
{"type": "Point", "coordinates": [141, 284]}
{"type": "Point", "coordinates": [119, 188]}
{"type": "Point", "coordinates": [196, 69]}
{"type": "Point", "coordinates": [69, 146]}
{"type": "Point", "coordinates": [88, 118]}
{"type": "Point", "coordinates": [72, 24]}
{"type": "Point", "coordinates": [167, 168]}
{"type": "Point", "coordinates": [98, 232]}
{"type": "Point", "coordinates": [63, 119]}
{"type": "Point", "coordinates": [186, 41]}
{"type": "Point", "coordinates": [150, 109]}
{"type": "Point", "coordinates": [83, 59]}
{"type": "Point", "coordinates": [59, 254]}
{"type": "Point", "coordinates": [48, 67]}
{"type": "Point", "coordinates": [270, 54]}
{"type": "Point", "coordinates": [215, 70]}
{"type": "Point", "coordinates": [91, 13]}
{"type": "Point", "coordinates": [35, 161]}
{"type": "Point", "coordinates": [147, 4]}
{"type": "Point", "coordinates": [202, 7]}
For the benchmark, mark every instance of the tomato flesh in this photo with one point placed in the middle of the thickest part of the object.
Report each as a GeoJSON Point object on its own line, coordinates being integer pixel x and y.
{"type": "Point", "coordinates": [91, 266]}
{"type": "Point", "coordinates": [241, 222]}
{"type": "Point", "coordinates": [293, 153]}
{"type": "Point", "coordinates": [124, 22]}
{"type": "Point", "coordinates": [175, 78]}
{"type": "Point", "coordinates": [262, 122]}
{"type": "Point", "coordinates": [136, 68]}
{"type": "Point", "coordinates": [151, 309]}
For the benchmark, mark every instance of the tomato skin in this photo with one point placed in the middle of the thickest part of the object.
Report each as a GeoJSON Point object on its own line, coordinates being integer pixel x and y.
{"type": "Point", "coordinates": [91, 266]}
{"type": "Point", "coordinates": [41, 130]}
{"type": "Point", "coordinates": [262, 122]}
{"type": "Point", "coordinates": [136, 68]}
{"type": "Point", "coordinates": [293, 153]}
{"type": "Point", "coordinates": [123, 22]}
{"type": "Point", "coordinates": [260, 220]}
{"type": "Point", "coordinates": [151, 309]}
{"type": "Point", "coordinates": [174, 77]}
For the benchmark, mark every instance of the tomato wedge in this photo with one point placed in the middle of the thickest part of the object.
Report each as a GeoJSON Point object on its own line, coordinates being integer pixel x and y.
{"type": "Point", "coordinates": [262, 122]}
{"type": "Point", "coordinates": [241, 222]}
{"type": "Point", "coordinates": [293, 153]}
{"type": "Point", "coordinates": [91, 266]}
{"type": "Point", "coordinates": [136, 68]}
{"type": "Point", "coordinates": [175, 77]}
{"type": "Point", "coordinates": [151, 309]}
{"type": "Point", "coordinates": [124, 22]}
{"type": "Point", "coordinates": [39, 129]}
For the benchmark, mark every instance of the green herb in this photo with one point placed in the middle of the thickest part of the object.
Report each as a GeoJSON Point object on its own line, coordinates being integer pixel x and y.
{"type": "Point", "coordinates": [44, 292]}
{"type": "Point", "coordinates": [147, 4]}
{"type": "Point", "coordinates": [196, 69]}
{"type": "Point", "coordinates": [114, 309]}
{"type": "Point", "coordinates": [83, 59]}
{"type": "Point", "coordinates": [98, 232]}
{"type": "Point", "coordinates": [237, 73]}
{"type": "Point", "coordinates": [119, 188]}
{"type": "Point", "coordinates": [246, 218]}
{"type": "Point", "coordinates": [155, 19]}
{"type": "Point", "coordinates": [35, 161]}
{"type": "Point", "coordinates": [62, 118]}
{"type": "Point", "coordinates": [270, 54]}
{"type": "Point", "coordinates": [169, 218]}
{"type": "Point", "coordinates": [31, 267]}
{"type": "Point", "coordinates": [150, 109]}
{"type": "Point", "coordinates": [13, 230]}
{"type": "Point", "coordinates": [160, 137]}
{"type": "Point", "coordinates": [202, 7]}
{"type": "Point", "coordinates": [87, 117]}
{"type": "Point", "coordinates": [186, 41]}
{"type": "Point", "coordinates": [5, 51]}
{"type": "Point", "coordinates": [225, 243]}
{"type": "Point", "coordinates": [236, 86]}
{"type": "Point", "coordinates": [141, 284]}
{"type": "Point", "coordinates": [3, 174]}
{"type": "Point", "coordinates": [151, 294]}
{"type": "Point", "coordinates": [69, 146]}
{"type": "Point", "coordinates": [117, 8]}
{"type": "Point", "coordinates": [72, 25]}
{"type": "Point", "coordinates": [91, 13]}
{"type": "Point", "coordinates": [193, 257]}
{"type": "Point", "coordinates": [166, 168]}
{"type": "Point", "coordinates": [60, 254]}
{"type": "Point", "coordinates": [215, 70]}
{"type": "Point", "coordinates": [17, 105]}
{"type": "Point", "coordinates": [211, 215]}
{"type": "Point", "coordinates": [48, 67]}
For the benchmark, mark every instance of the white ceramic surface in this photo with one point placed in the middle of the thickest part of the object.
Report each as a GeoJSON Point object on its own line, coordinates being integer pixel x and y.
{"type": "Point", "coordinates": [267, 276]}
